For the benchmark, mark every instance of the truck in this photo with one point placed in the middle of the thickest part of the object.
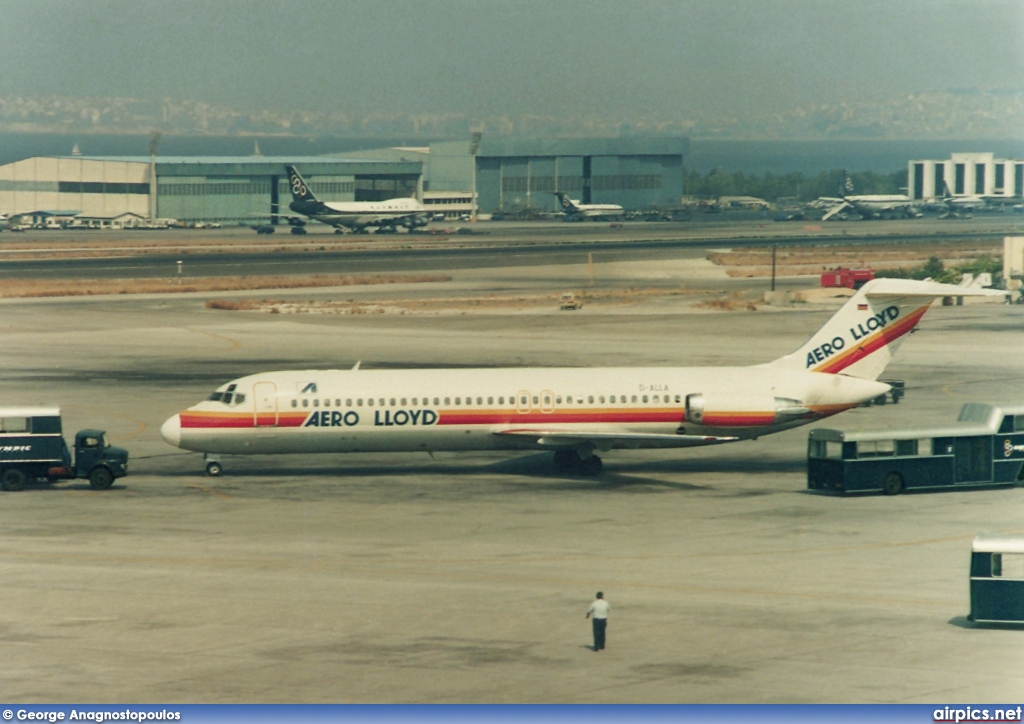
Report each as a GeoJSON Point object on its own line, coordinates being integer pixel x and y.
{"type": "Point", "coordinates": [32, 448]}
{"type": "Point", "coordinates": [846, 278]}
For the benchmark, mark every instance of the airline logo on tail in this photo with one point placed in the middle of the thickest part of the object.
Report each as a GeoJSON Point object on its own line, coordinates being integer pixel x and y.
{"type": "Point", "coordinates": [300, 191]}
{"type": "Point", "coordinates": [566, 203]}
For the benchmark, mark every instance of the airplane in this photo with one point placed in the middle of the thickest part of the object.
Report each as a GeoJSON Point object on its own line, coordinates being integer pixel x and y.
{"type": "Point", "coordinates": [956, 207]}
{"type": "Point", "coordinates": [870, 206]}
{"type": "Point", "coordinates": [574, 412]}
{"type": "Point", "coordinates": [352, 215]}
{"type": "Point", "coordinates": [575, 211]}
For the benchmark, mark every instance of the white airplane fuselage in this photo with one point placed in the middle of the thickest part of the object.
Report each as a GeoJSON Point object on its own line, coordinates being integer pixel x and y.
{"type": "Point", "coordinates": [573, 412]}
{"type": "Point", "coordinates": [358, 214]}
{"type": "Point", "coordinates": [489, 409]}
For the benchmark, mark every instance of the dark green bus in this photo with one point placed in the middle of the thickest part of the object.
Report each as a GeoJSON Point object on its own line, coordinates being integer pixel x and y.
{"type": "Point", "coordinates": [984, 447]}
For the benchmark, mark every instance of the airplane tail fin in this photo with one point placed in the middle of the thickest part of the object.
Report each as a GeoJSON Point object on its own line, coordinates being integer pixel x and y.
{"type": "Point", "coordinates": [566, 203]}
{"type": "Point", "coordinates": [861, 338]}
{"type": "Point", "coordinates": [300, 191]}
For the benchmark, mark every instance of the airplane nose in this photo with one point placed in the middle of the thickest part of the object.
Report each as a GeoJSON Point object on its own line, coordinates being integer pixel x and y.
{"type": "Point", "coordinates": [171, 430]}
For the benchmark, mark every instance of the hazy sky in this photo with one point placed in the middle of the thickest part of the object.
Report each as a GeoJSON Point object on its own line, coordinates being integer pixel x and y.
{"type": "Point", "coordinates": [484, 57]}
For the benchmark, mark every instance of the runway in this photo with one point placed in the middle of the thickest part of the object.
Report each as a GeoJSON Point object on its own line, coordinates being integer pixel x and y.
{"type": "Point", "coordinates": [240, 252]}
{"type": "Point", "coordinates": [466, 577]}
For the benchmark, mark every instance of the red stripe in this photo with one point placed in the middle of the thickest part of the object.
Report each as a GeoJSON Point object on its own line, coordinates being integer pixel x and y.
{"type": "Point", "coordinates": [490, 417]}
{"type": "Point", "coordinates": [873, 344]}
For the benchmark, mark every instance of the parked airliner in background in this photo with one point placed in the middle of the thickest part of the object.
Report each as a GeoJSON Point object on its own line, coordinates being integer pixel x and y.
{"type": "Point", "coordinates": [870, 206]}
{"type": "Point", "coordinates": [575, 211]}
{"type": "Point", "coordinates": [573, 412]}
{"type": "Point", "coordinates": [353, 215]}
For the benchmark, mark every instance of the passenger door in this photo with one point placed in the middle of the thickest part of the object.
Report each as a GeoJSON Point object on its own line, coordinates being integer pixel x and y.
{"type": "Point", "coordinates": [264, 395]}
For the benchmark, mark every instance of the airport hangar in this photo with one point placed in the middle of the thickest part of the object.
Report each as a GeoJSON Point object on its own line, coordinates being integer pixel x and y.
{"type": "Point", "coordinates": [508, 174]}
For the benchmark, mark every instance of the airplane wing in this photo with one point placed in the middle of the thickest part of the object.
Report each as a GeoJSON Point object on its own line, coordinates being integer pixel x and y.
{"type": "Point", "coordinates": [835, 210]}
{"type": "Point", "coordinates": [610, 440]}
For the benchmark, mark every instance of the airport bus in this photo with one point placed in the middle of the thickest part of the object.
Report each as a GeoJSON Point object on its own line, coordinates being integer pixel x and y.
{"type": "Point", "coordinates": [984, 447]}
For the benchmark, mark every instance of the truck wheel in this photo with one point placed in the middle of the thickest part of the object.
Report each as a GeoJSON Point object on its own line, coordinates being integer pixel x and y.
{"type": "Point", "coordinates": [214, 469]}
{"type": "Point", "coordinates": [101, 479]}
{"type": "Point", "coordinates": [892, 484]}
{"type": "Point", "coordinates": [13, 479]}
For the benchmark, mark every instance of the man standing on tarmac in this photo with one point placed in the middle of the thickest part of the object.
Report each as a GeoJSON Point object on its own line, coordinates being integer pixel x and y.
{"type": "Point", "coordinates": [599, 610]}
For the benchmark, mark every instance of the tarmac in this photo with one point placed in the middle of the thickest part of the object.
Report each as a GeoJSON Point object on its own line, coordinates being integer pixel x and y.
{"type": "Point", "coordinates": [466, 577]}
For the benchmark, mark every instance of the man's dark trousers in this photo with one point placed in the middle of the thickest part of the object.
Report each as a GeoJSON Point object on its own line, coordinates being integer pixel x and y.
{"type": "Point", "coordinates": [599, 626]}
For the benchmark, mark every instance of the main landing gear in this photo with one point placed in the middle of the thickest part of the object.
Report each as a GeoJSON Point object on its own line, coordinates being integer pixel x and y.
{"type": "Point", "coordinates": [570, 461]}
{"type": "Point", "coordinates": [213, 466]}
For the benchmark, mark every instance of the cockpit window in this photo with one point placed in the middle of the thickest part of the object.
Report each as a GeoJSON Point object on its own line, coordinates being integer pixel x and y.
{"type": "Point", "coordinates": [228, 396]}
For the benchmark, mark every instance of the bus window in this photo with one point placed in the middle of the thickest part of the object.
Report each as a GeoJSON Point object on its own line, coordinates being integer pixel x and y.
{"type": "Point", "coordinates": [875, 449]}
{"type": "Point", "coordinates": [826, 449]}
{"type": "Point", "coordinates": [1008, 565]}
{"type": "Point", "coordinates": [906, 447]}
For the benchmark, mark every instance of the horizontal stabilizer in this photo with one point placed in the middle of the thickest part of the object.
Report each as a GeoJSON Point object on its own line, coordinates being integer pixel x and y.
{"type": "Point", "coordinates": [862, 336]}
{"type": "Point", "coordinates": [612, 440]}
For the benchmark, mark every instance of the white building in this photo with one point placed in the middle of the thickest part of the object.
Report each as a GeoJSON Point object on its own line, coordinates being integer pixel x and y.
{"type": "Point", "coordinates": [966, 174]}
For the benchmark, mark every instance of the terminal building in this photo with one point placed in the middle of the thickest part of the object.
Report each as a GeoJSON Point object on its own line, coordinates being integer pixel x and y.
{"type": "Point", "coordinates": [965, 175]}
{"type": "Point", "coordinates": [489, 175]}
{"type": "Point", "coordinates": [131, 191]}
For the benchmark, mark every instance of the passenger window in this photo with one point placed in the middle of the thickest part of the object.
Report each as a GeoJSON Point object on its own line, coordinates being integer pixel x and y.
{"type": "Point", "coordinates": [479, 400]}
{"type": "Point", "coordinates": [392, 402]}
{"type": "Point", "coordinates": [645, 398]}
{"type": "Point", "coordinates": [490, 400]}
{"type": "Point", "coordinates": [1008, 565]}
{"type": "Point", "coordinates": [327, 402]}
{"type": "Point", "coordinates": [437, 401]}
{"type": "Point", "coordinates": [876, 448]}
{"type": "Point", "coordinates": [295, 403]}
{"type": "Point", "coordinates": [370, 402]}
{"type": "Point", "coordinates": [305, 402]}
{"type": "Point", "coordinates": [316, 403]}
{"type": "Point", "coordinates": [447, 400]}
{"type": "Point", "coordinates": [239, 398]}
{"type": "Point", "coordinates": [535, 400]}
{"type": "Point", "coordinates": [403, 402]}
{"type": "Point", "coordinates": [458, 400]}
{"type": "Point", "coordinates": [906, 447]}
{"type": "Point", "coordinates": [634, 398]}
{"type": "Point", "coordinates": [501, 400]}
{"type": "Point", "coordinates": [359, 402]}
{"type": "Point", "coordinates": [348, 403]}
{"type": "Point", "coordinates": [590, 400]}
{"type": "Point", "coordinates": [381, 401]}
{"type": "Point", "coordinates": [337, 403]}
{"type": "Point", "coordinates": [678, 399]}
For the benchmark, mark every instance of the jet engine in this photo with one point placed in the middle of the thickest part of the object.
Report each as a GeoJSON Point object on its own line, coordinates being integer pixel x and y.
{"type": "Point", "coordinates": [716, 410]}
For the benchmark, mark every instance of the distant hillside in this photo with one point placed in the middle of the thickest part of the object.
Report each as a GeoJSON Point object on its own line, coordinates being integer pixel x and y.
{"type": "Point", "coordinates": [981, 114]}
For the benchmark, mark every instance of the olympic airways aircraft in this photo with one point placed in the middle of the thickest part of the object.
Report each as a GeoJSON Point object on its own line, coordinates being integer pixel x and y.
{"type": "Point", "coordinates": [575, 211]}
{"type": "Point", "coordinates": [354, 215]}
{"type": "Point", "coordinates": [574, 412]}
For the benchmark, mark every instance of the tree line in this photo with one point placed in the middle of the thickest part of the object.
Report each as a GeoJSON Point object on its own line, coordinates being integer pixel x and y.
{"type": "Point", "coordinates": [796, 185]}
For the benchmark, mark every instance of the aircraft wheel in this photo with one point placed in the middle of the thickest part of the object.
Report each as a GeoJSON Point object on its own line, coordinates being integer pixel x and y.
{"type": "Point", "coordinates": [892, 484]}
{"type": "Point", "coordinates": [214, 469]}
{"type": "Point", "coordinates": [567, 461]}
{"type": "Point", "coordinates": [101, 479]}
{"type": "Point", "coordinates": [591, 466]}
{"type": "Point", "coordinates": [12, 479]}
{"type": "Point", "coordinates": [299, 230]}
